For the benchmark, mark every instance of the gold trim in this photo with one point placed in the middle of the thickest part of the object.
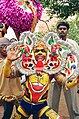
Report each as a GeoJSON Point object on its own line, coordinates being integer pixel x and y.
{"type": "Point", "coordinates": [22, 111]}
{"type": "Point", "coordinates": [43, 110]}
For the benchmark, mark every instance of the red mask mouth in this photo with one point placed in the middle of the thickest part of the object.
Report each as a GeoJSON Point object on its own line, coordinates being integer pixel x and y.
{"type": "Point", "coordinates": [37, 86]}
{"type": "Point", "coordinates": [40, 57]}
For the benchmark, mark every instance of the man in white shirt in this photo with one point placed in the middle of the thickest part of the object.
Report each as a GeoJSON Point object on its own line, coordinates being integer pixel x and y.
{"type": "Point", "coordinates": [55, 89]}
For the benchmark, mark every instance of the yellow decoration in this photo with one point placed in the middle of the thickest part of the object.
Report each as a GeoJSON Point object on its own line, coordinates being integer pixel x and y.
{"type": "Point", "coordinates": [43, 110]}
{"type": "Point", "coordinates": [22, 111]}
{"type": "Point", "coordinates": [71, 84]}
{"type": "Point", "coordinates": [52, 114]}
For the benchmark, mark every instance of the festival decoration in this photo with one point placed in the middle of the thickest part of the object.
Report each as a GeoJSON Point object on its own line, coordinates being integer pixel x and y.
{"type": "Point", "coordinates": [50, 55]}
{"type": "Point", "coordinates": [21, 15]}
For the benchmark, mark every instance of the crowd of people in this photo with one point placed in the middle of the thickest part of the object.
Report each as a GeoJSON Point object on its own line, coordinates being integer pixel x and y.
{"type": "Point", "coordinates": [11, 91]}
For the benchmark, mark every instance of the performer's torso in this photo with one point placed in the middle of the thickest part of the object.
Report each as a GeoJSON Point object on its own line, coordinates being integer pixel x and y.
{"type": "Point", "coordinates": [37, 87]}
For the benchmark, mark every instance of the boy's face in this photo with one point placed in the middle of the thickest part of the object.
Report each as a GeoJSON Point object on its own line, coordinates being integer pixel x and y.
{"type": "Point", "coordinates": [3, 50]}
{"type": "Point", "coordinates": [3, 45]}
{"type": "Point", "coordinates": [62, 31]}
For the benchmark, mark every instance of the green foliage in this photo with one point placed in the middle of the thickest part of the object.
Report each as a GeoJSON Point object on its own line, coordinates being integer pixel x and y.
{"type": "Point", "coordinates": [63, 8]}
{"type": "Point", "coordinates": [45, 3]}
{"type": "Point", "coordinates": [39, 35]}
{"type": "Point", "coordinates": [74, 30]}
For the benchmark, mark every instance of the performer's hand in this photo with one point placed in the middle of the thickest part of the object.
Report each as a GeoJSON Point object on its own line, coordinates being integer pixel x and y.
{"type": "Point", "coordinates": [72, 82]}
{"type": "Point", "coordinates": [12, 55]}
{"type": "Point", "coordinates": [60, 78]}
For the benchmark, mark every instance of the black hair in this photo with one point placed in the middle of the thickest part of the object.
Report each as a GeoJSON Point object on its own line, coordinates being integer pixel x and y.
{"type": "Point", "coordinates": [63, 24]}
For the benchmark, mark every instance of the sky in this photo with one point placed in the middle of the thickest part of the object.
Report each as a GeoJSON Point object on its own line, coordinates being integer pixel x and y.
{"type": "Point", "coordinates": [10, 33]}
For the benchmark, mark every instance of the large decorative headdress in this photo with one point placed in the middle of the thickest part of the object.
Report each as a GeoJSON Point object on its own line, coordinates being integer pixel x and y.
{"type": "Point", "coordinates": [21, 15]}
{"type": "Point", "coordinates": [49, 55]}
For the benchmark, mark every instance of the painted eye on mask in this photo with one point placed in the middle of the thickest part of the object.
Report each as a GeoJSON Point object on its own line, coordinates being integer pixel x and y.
{"type": "Point", "coordinates": [38, 50]}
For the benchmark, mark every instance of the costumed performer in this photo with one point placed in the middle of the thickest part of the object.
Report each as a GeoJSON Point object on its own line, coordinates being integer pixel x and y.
{"type": "Point", "coordinates": [37, 84]}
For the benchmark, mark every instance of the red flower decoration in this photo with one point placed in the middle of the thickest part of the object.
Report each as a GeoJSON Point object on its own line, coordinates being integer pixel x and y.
{"type": "Point", "coordinates": [16, 17]}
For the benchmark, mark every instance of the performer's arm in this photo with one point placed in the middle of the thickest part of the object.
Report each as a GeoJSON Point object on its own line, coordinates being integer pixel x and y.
{"type": "Point", "coordinates": [8, 71]}
{"type": "Point", "coordinates": [60, 78]}
{"type": "Point", "coordinates": [70, 83]}
{"type": "Point", "coordinates": [7, 68]}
